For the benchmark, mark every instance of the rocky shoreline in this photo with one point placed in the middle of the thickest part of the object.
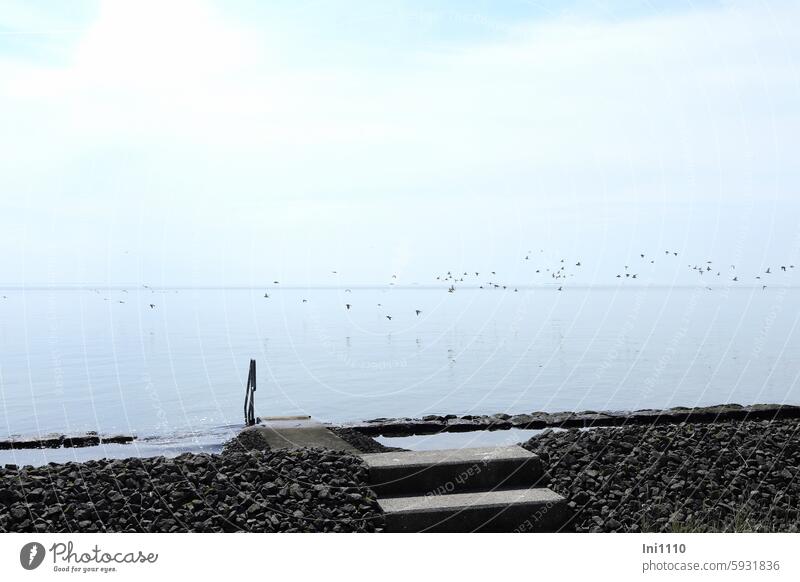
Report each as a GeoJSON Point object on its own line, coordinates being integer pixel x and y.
{"type": "Point", "coordinates": [727, 476]}
{"type": "Point", "coordinates": [432, 424]}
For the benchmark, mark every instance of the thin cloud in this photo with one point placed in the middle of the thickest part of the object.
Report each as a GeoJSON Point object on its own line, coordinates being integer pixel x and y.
{"type": "Point", "coordinates": [158, 107]}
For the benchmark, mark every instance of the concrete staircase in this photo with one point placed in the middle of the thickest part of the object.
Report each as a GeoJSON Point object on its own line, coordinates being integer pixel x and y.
{"type": "Point", "coordinates": [465, 490]}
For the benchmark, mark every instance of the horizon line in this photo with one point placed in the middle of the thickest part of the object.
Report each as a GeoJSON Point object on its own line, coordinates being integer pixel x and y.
{"type": "Point", "coordinates": [375, 286]}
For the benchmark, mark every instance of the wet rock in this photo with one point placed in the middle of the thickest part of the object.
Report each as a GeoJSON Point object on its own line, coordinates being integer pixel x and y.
{"type": "Point", "coordinates": [81, 441]}
{"type": "Point", "coordinates": [118, 439]}
{"type": "Point", "coordinates": [589, 418]}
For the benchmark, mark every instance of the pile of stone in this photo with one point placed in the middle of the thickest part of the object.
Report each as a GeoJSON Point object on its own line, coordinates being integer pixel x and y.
{"type": "Point", "coordinates": [730, 476]}
{"type": "Point", "coordinates": [303, 490]}
{"type": "Point", "coordinates": [246, 440]}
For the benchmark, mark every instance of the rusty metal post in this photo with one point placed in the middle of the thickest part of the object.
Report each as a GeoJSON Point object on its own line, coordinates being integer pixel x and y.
{"type": "Point", "coordinates": [249, 397]}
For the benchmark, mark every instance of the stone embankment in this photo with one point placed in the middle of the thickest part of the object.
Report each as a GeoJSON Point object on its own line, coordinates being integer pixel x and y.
{"type": "Point", "coordinates": [303, 490]}
{"type": "Point", "coordinates": [433, 424]}
{"type": "Point", "coordinates": [726, 476]}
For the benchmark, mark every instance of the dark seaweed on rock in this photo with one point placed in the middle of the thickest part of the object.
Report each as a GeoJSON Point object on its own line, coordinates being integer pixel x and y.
{"type": "Point", "coordinates": [304, 490]}
{"type": "Point", "coordinates": [732, 476]}
{"type": "Point", "coordinates": [362, 442]}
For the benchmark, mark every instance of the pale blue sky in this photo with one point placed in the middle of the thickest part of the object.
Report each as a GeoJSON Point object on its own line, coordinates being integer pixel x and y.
{"type": "Point", "coordinates": [211, 143]}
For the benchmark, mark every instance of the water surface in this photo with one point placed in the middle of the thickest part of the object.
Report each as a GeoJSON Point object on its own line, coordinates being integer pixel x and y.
{"type": "Point", "coordinates": [77, 360]}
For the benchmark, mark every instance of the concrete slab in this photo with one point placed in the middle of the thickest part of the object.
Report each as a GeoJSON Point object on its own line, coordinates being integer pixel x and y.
{"type": "Point", "coordinates": [454, 470]}
{"type": "Point", "coordinates": [523, 510]}
{"type": "Point", "coordinates": [298, 432]}
{"type": "Point", "coordinates": [425, 458]}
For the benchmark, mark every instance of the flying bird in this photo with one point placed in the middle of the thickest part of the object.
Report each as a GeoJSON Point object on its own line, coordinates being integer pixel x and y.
{"type": "Point", "coordinates": [152, 306]}
{"type": "Point", "coordinates": [347, 305]}
{"type": "Point", "coordinates": [418, 311]}
{"type": "Point", "coordinates": [389, 317]}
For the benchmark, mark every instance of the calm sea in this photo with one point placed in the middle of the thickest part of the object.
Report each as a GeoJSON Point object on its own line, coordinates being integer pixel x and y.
{"type": "Point", "coordinates": [78, 360]}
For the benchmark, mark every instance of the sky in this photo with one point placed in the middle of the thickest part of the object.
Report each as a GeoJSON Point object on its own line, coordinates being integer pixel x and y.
{"type": "Point", "coordinates": [233, 143]}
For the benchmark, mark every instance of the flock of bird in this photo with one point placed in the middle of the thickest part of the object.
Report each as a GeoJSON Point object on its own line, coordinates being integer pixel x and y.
{"type": "Point", "coordinates": [557, 273]}
{"type": "Point", "coordinates": [561, 271]}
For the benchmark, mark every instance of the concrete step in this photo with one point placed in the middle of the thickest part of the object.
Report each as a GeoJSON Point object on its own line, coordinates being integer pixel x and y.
{"type": "Point", "coordinates": [520, 510]}
{"type": "Point", "coordinates": [452, 471]}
